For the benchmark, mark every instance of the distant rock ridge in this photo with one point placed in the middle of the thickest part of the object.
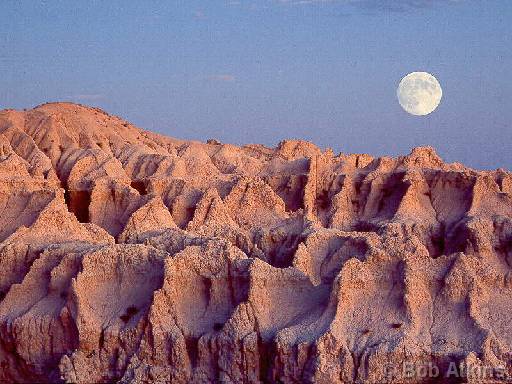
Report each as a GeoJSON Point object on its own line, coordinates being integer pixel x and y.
{"type": "Point", "coordinates": [127, 256]}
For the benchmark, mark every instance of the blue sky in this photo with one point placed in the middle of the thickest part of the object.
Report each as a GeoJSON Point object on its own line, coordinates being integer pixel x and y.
{"type": "Point", "coordinates": [261, 71]}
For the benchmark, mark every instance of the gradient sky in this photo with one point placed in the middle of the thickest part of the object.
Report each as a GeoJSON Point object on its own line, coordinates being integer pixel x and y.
{"type": "Point", "coordinates": [265, 70]}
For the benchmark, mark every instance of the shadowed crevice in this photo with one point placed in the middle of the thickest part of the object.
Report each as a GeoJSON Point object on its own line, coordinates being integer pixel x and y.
{"type": "Point", "coordinates": [140, 186]}
{"type": "Point", "coordinates": [78, 203]}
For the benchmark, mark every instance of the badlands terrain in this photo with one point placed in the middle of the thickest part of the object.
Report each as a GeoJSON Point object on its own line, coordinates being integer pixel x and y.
{"type": "Point", "coordinates": [127, 256]}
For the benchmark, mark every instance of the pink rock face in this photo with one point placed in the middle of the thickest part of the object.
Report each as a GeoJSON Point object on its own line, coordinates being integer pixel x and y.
{"type": "Point", "coordinates": [126, 256]}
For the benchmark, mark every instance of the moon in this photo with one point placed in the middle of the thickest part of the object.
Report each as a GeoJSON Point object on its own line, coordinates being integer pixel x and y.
{"type": "Point", "coordinates": [419, 93]}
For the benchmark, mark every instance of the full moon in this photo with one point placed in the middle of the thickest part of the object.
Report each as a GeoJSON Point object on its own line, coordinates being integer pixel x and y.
{"type": "Point", "coordinates": [419, 93]}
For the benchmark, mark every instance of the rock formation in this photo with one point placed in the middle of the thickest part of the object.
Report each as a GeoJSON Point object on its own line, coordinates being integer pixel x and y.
{"type": "Point", "coordinates": [127, 256]}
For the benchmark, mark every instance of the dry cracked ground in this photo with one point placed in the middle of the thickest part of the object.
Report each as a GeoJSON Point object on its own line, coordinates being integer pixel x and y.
{"type": "Point", "coordinates": [131, 257]}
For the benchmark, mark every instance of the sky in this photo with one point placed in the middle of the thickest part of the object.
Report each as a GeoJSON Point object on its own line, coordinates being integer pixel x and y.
{"type": "Point", "coordinates": [260, 71]}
